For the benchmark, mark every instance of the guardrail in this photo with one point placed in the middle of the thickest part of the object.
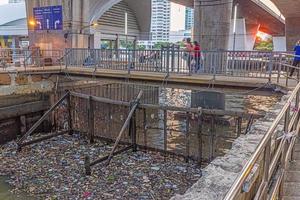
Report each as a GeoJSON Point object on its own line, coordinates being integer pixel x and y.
{"type": "Point", "coordinates": [273, 66]}
{"type": "Point", "coordinates": [33, 57]}
{"type": "Point", "coordinates": [257, 64]}
{"type": "Point", "coordinates": [273, 154]}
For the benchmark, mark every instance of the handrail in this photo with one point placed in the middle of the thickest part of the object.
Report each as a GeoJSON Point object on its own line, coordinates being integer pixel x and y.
{"type": "Point", "coordinates": [236, 187]}
{"type": "Point", "coordinates": [31, 56]}
{"type": "Point", "coordinates": [252, 64]}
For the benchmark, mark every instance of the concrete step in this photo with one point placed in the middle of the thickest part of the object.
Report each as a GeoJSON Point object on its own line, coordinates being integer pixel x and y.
{"type": "Point", "coordinates": [291, 189]}
{"type": "Point", "coordinates": [296, 155]}
{"type": "Point", "coordinates": [297, 148]}
{"type": "Point", "coordinates": [292, 176]}
{"type": "Point", "coordinates": [290, 197]}
{"type": "Point", "coordinates": [294, 165]}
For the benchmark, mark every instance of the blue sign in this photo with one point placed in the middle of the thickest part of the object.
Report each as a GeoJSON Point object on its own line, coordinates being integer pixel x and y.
{"type": "Point", "coordinates": [48, 18]}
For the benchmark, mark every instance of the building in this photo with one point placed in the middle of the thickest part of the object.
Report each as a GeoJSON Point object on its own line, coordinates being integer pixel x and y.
{"type": "Point", "coordinates": [189, 18]}
{"type": "Point", "coordinates": [13, 25]}
{"type": "Point", "coordinates": [177, 17]}
{"type": "Point", "coordinates": [178, 36]}
{"type": "Point", "coordinates": [16, 1]}
{"type": "Point", "coordinates": [160, 21]}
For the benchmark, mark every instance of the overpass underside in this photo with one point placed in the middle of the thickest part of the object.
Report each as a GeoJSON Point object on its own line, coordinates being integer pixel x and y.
{"type": "Point", "coordinates": [214, 23]}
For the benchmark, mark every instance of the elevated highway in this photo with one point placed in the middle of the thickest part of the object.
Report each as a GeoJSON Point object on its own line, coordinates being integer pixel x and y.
{"type": "Point", "coordinates": [252, 15]}
{"type": "Point", "coordinates": [290, 9]}
{"type": "Point", "coordinates": [214, 31]}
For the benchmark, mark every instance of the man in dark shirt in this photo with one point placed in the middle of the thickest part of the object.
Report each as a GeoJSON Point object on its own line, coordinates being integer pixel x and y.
{"type": "Point", "coordinates": [297, 57]}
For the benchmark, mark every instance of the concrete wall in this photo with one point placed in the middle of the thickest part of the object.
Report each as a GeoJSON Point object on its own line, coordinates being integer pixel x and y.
{"type": "Point", "coordinates": [279, 43]}
{"type": "Point", "coordinates": [221, 173]}
{"type": "Point", "coordinates": [290, 9]}
{"type": "Point", "coordinates": [292, 31]}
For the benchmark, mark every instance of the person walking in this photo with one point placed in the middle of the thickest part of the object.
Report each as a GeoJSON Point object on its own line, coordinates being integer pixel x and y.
{"type": "Point", "coordinates": [297, 57]}
{"type": "Point", "coordinates": [197, 56]}
{"type": "Point", "coordinates": [189, 52]}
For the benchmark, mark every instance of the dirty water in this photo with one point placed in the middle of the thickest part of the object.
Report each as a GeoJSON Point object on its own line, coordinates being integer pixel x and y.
{"type": "Point", "coordinates": [234, 101]}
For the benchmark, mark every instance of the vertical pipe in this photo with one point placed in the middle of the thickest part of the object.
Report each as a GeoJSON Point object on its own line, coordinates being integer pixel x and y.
{"type": "Point", "coordinates": [212, 138]}
{"type": "Point", "coordinates": [267, 160]}
{"type": "Point", "coordinates": [87, 165]}
{"type": "Point", "coordinates": [199, 134]}
{"type": "Point", "coordinates": [69, 114]}
{"type": "Point", "coordinates": [187, 136]}
{"type": "Point", "coordinates": [283, 153]}
{"type": "Point", "coordinates": [165, 132]}
{"type": "Point", "coordinates": [133, 134]}
{"type": "Point", "coordinates": [145, 127]}
{"type": "Point", "coordinates": [91, 120]}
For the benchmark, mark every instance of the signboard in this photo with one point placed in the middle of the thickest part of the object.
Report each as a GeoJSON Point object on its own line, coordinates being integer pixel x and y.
{"type": "Point", "coordinates": [48, 18]}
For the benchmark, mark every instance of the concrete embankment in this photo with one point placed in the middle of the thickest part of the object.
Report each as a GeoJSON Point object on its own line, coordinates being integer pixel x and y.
{"type": "Point", "coordinates": [221, 173]}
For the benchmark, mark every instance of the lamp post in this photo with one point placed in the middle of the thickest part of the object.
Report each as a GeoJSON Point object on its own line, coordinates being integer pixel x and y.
{"type": "Point", "coordinates": [89, 35]}
{"type": "Point", "coordinates": [234, 26]}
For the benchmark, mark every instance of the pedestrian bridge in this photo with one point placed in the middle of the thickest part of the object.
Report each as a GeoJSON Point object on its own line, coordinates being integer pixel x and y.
{"type": "Point", "coordinates": [273, 167]}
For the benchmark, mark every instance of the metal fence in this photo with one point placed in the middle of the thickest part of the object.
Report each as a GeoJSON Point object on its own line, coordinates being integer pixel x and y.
{"type": "Point", "coordinates": [229, 63]}
{"type": "Point", "coordinates": [273, 66]}
{"type": "Point", "coordinates": [273, 155]}
{"type": "Point", "coordinates": [33, 57]}
{"type": "Point", "coordinates": [192, 133]}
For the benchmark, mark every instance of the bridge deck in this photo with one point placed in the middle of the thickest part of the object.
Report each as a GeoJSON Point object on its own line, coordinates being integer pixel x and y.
{"type": "Point", "coordinates": [220, 80]}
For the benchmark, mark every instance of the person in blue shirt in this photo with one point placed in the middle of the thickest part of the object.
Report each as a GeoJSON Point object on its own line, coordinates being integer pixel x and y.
{"type": "Point", "coordinates": [297, 57]}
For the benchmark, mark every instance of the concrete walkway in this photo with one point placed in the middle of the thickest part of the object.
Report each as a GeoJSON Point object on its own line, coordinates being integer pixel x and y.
{"type": "Point", "coordinates": [291, 189]}
{"type": "Point", "coordinates": [221, 80]}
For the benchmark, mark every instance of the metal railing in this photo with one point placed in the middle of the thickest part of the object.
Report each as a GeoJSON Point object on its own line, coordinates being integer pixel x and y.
{"type": "Point", "coordinates": [33, 57]}
{"type": "Point", "coordinates": [272, 154]}
{"type": "Point", "coordinates": [256, 64]}
{"type": "Point", "coordinates": [274, 66]}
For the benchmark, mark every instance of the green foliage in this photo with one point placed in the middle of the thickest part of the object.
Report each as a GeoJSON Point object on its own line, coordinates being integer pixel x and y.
{"type": "Point", "coordinates": [141, 47]}
{"type": "Point", "coordinates": [264, 45]}
{"type": "Point", "coordinates": [159, 45]}
{"type": "Point", "coordinates": [127, 44]}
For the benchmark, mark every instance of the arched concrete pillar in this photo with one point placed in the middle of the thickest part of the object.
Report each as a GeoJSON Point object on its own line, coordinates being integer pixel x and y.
{"type": "Point", "coordinates": [78, 15]}
{"type": "Point", "coordinates": [244, 39]}
{"type": "Point", "coordinates": [212, 23]}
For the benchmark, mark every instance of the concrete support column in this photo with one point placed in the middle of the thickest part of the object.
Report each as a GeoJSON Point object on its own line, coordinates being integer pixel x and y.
{"type": "Point", "coordinates": [292, 31]}
{"type": "Point", "coordinates": [245, 35]}
{"type": "Point", "coordinates": [279, 43]}
{"type": "Point", "coordinates": [212, 23]}
{"type": "Point", "coordinates": [97, 40]}
{"type": "Point", "coordinates": [237, 41]}
{"type": "Point", "coordinates": [80, 24]}
{"type": "Point", "coordinates": [251, 32]}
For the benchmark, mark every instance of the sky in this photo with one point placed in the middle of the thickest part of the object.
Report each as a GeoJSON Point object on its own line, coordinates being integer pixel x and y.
{"type": "Point", "coordinates": [3, 1]}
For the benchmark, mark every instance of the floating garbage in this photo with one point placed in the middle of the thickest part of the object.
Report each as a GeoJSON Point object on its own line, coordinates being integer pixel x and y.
{"type": "Point", "coordinates": [54, 169]}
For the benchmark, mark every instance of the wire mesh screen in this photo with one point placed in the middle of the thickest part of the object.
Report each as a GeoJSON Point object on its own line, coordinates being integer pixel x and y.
{"type": "Point", "coordinates": [108, 118]}
{"type": "Point", "coordinates": [123, 92]}
{"type": "Point", "coordinates": [184, 132]}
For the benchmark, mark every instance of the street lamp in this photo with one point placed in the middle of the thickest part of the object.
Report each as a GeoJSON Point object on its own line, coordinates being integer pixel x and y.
{"type": "Point", "coordinates": [234, 25]}
{"type": "Point", "coordinates": [32, 23]}
{"type": "Point", "coordinates": [90, 25]}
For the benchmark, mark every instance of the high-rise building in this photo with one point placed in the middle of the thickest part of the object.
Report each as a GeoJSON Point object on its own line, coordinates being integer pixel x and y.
{"type": "Point", "coordinates": [189, 18]}
{"type": "Point", "coordinates": [16, 1]}
{"type": "Point", "coordinates": [160, 22]}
